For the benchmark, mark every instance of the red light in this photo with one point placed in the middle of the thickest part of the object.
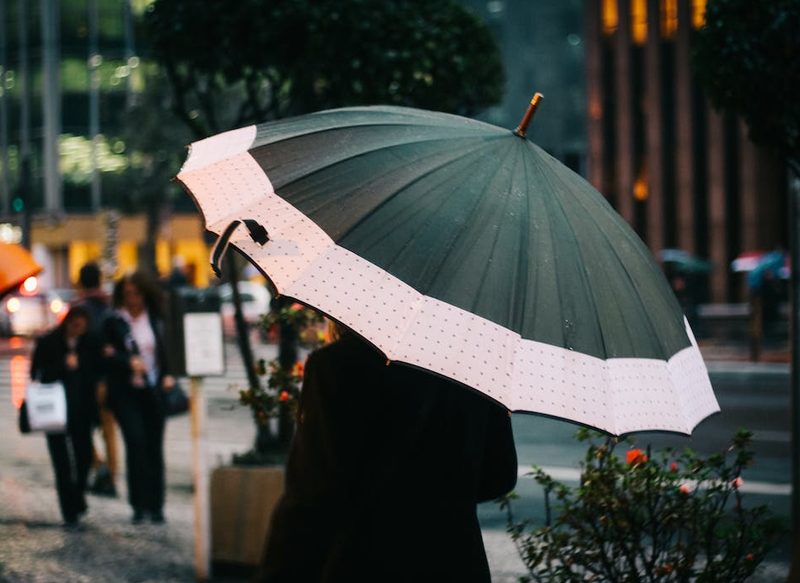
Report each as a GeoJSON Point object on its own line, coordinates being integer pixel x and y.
{"type": "Point", "coordinates": [29, 286]}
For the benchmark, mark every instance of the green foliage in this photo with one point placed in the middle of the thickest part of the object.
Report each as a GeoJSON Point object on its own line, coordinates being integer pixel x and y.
{"type": "Point", "coordinates": [674, 517]}
{"type": "Point", "coordinates": [283, 389]}
{"type": "Point", "coordinates": [249, 61]}
{"type": "Point", "coordinates": [295, 315]}
{"type": "Point", "coordinates": [156, 144]}
{"type": "Point", "coordinates": [283, 383]}
{"type": "Point", "coordinates": [745, 58]}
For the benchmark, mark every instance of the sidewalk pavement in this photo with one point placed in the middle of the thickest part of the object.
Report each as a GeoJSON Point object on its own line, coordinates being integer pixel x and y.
{"type": "Point", "coordinates": [35, 549]}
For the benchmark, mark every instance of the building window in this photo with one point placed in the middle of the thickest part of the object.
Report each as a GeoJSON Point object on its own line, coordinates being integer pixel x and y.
{"type": "Point", "coordinates": [669, 18]}
{"type": "Point", "coordinates": [610, 17]}
{"type": "Point", "coordinates": [698, 13]}
{"type": "Point", "coordinates": [639, 21]}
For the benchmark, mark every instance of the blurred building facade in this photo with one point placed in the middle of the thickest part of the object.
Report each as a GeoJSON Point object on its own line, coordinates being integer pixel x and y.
{"type": "Point", "coordinates": [69, 69]}
{"type": "Point", "coordinates": [621, 107]}
{"type": "Point", "coordinates": [542, 46]}
{"type": "Point", "coordinates": [682, 174]}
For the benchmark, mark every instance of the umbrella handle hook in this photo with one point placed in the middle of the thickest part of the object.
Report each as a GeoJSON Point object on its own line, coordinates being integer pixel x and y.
{"type": "Point", "coordinates": [257, 232]}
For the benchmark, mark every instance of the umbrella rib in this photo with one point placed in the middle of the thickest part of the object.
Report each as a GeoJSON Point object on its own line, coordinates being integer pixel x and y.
{"type": "Point", "coordinates": [464, 154]}
{"type": "Point", "coordinates": [484, 279]}
{"type": "Point", "coordinates": [619, 260]}
{"type": "Point", "coordinates": [361, 154]}
{"type": "Point", "coordinates": [555, 245]}
{"type": "Point", "coordinates": [444, 201]}
{"type": "Point", "coordinates": [523, 258]}
{"type": "Point", "coordinates": [460, 234]}
{"type": "Point", "coordinates": [405, 118]}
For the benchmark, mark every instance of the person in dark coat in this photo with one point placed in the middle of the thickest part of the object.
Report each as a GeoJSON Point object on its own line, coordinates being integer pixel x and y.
{"type": "Point", "coordinates": [68, 354]}
{"type": "Point", "coordinates": [384, 474]}
{"type": "Point", "coordinates": [95, 300]}
{"type": "Point", "coordinates": [137, 373]}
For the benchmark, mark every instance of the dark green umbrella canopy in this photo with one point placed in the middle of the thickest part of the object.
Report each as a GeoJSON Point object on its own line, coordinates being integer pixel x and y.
{"type": "Point", "coordinates": [473, 216]}
{"type": "Point", "coordinates": [477, 217]}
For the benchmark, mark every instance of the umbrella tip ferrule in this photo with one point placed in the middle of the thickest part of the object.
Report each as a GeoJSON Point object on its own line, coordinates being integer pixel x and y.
{"type": "Point", "coordinates": [526, 119]}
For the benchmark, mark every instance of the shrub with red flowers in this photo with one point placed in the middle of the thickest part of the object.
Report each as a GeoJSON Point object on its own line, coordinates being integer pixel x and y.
{"type": "Point", "coordinates": [290, 325]}
{"type": "Point", "coordinates": [305, 321]}
{"type": "Point", "coordinates": [675, 516]}
{"type": "Point", "coordinates": [283, 389]}
{"type": "Point", "coordinates": [283, 382]}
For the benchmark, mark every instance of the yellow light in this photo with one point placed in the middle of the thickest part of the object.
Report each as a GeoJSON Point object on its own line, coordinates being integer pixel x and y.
{"type": "Point", "coordinates": [698, 13]}
{"type": "Point", "coordinates": [12, 305]}
{"type": "Point", "coordinates": [640, 190]}
{"type": "Point", "coordinates": [595, 108]}
{"type": "Point", "coordinates": [610, 17]}
{"type": "Point", "coordinates": [29, 285]}
{"type": "Point", "coordinates": [639, 21]}
{"type": "Point", "coordinates": [56, 306]}
{"type": "Point", "coordinates": [669, 18]}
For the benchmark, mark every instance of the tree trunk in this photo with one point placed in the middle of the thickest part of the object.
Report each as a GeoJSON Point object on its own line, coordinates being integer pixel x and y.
{"type": "Point", "coordinates": [242, 333]}
{"type": "Point", "coordinates": [153, 224]}
{"type": "Point", "coordinates": [794, 331]}
{"type": "Point", "coordinates": [287, 357]}
{"type": "Point", "coordinates": [266, 441]}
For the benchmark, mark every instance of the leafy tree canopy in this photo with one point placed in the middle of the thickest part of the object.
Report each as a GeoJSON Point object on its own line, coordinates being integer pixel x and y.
{"type": "Point", "coordinates": [746, 58]}
{"type": "Point", "coordinates": [249, 61]}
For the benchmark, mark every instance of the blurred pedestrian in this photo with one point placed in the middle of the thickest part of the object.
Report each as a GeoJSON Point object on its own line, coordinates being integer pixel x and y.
{"type": "Point", "coordinates": [68, 354]}
{"type": "Point", "coordinates": [138, 372]}
{"type": "Point", "coordinates": [179, 275]}
{"type": "Point", "coordinates": [384, 474]}
{"type": "Point", "coordinates": [95, 300]}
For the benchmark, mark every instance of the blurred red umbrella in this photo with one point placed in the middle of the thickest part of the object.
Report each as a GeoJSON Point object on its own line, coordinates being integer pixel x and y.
{"type": "Point", "coordinates": [16, 265]}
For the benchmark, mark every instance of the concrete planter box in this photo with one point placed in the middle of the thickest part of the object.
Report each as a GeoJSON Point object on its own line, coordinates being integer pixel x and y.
{"type": "Point", "coordinates": [242, 500]}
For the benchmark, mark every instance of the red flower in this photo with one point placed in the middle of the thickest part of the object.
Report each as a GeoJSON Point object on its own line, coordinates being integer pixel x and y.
{"type": "Point", "coordinates": [685, 489]}
{"type": "Point", "coordinates": [749, 557]}
{"type": "Point", "coordinates": [635, 457]}
{"type": "Point", "coordinates": [673, 467]}
{"type": "Point", "coordinates": [284, 396]}
{"type": "Point", "coordinates": [737, 483]}
{"type": "Point", "coordinates": [665, 569]}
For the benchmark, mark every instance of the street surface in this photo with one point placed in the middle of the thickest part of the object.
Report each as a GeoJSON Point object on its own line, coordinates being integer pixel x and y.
{"type": "Point", "coordinates": [33, 547]}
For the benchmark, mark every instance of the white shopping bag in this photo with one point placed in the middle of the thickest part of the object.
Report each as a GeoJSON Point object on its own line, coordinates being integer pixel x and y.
{"type": "Point", "coordinates": [47, 406]}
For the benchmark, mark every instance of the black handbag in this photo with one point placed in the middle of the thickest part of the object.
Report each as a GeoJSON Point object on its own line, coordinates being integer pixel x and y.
{"type": "Point", "coordinates": [24, 424]}
{"type": "Point", "coordinates": [176, 401]}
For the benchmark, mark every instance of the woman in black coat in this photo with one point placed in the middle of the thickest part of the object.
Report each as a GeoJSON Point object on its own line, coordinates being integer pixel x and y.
{"type": "Point", "coordinates": [384, 474]}
{"type": "Point", "coordinates": [70, 355]}
{"type": "Point", "coordinates": [137, 374]}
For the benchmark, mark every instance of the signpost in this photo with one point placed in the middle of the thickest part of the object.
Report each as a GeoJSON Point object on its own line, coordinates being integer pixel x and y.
{"type": "Point", "coordinates": [198, 326]}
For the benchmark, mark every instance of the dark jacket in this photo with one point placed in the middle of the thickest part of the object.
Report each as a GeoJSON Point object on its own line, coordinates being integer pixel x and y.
{"type": "Point", "coordinates": [97, 306]}
{"type": "Point", "coordinates": [117, 334]}
{"type": "Point", "coordinates": [384, 474]}
{"type": "Point", "coordinates": [48, 365]}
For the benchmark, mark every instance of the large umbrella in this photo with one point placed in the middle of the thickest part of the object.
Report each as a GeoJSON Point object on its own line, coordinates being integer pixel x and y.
{"type": "Point", "coordinates": [16, 265]}
{"type": "Point", "coordinates": [774, 265]}
{"type": "Point", "coordinates": [464, 249]}
{"type": "Point", "coordinates": [683, 261]}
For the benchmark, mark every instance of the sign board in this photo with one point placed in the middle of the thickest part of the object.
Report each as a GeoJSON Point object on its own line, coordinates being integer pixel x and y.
{"type": "Point", "coordinates": [195, 330]}
{"type": "Point", "coordinates": [202, 344]}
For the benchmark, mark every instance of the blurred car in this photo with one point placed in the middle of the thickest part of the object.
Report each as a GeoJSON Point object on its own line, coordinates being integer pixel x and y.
{"type": "Point", "coordinates": [255, 303]}
{"type": "Point", "coordinates": [30, 310]}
